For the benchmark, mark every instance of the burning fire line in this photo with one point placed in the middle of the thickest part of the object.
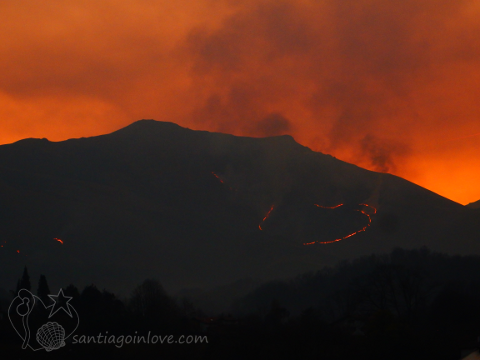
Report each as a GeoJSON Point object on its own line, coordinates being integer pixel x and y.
{"type": "Point", "coordinates": [328, 207]}
{"type": "Point", "coordinates": [218, 177]}
{"type": "Point", "coordinates": [370, 206]}
{"type": "Point", "coordinates": [223, 181]}
{"type": "Point", "coordinates": [266, 217]}
{"type": "Point", "coordinates": [349, 235]}
{"type": "Point", "coordinates": [60, 241]}
{"type": "Point", "coordinates": [320, 206]}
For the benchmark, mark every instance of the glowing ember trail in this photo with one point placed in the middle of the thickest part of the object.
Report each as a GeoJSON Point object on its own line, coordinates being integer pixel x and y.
{"type": "Point", "coordinates": [218, 177]}
{"type": "Point", "coordinates": [6, 247]}
{"type": "Point", "coordinates": [328, 207]}
{"type": "Point", "coordinates": [266, 217]}
{"type": "Point", "coordinates": [370, 206]}
{"type": "Point", "coordinates": [223, 182]}
{"type": "Point", "coordinates": [349, 235]}
{"type": "Point", "coordinates": [60, 241]}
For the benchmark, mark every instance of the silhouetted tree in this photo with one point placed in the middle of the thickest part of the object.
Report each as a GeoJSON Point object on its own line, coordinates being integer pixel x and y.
{"type": "Point", "coordinates": [91, 298]}
{"type": "Point", "coordinates": [24, 282]}
{"type": "Point", "coordinates": [276, 315]}
{"type": "Point", "coordinates": [150, 302]}
{"type": "Point", "coordinates": [43, 290]}
{"type": "Point", "coordinates": [71, 290]}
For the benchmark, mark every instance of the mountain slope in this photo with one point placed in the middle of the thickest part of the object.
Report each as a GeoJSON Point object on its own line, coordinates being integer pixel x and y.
{"type": "Point", "coordinates": [474, 205]}
{"type": "Point", "coordinates": [157, 200]}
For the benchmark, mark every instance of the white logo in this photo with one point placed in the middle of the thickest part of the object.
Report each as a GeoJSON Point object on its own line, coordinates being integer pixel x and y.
{"type": "Point", "coordinates": [41, 326]}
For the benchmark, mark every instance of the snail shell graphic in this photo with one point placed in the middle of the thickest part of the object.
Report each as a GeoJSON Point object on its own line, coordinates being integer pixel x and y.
{"type": "Point", "coordinates": [51, 336]}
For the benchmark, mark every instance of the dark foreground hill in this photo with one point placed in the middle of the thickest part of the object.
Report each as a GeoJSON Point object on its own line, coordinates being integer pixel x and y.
{"type": "Point", "coordinates": [158, 200]}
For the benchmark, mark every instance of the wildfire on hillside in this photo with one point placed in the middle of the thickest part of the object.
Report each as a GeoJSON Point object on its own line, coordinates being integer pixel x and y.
{"type": "Point", "coordinates": [266, 217]}
{"type": "Point", "coordinates": [349, 235]}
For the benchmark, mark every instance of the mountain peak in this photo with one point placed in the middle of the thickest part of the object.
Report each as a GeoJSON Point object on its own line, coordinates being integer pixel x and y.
{"type": "Point", "coordinates": [148, 125]}
{"type": "Point", "coordinates": [154, 131]}
{"type": "Point", "coordinates": [221, 206]}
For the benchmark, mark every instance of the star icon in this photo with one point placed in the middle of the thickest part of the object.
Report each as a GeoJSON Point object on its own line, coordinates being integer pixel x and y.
{"type": "Point", "coordinates": [60, 302]}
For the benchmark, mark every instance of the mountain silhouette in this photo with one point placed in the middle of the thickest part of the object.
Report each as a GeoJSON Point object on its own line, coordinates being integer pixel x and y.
{"type": "Point", "coordinates": [157, 200]}
{"type": "Point", "coordinates": [474, 205]}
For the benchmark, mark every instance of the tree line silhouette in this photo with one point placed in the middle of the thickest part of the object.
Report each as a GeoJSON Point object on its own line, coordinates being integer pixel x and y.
{"type": "Point", "coordinates": [409, 304]}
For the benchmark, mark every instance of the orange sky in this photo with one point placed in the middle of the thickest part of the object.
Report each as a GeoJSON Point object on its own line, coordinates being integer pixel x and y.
{"type": "Point", "coordinates": [389, 85]}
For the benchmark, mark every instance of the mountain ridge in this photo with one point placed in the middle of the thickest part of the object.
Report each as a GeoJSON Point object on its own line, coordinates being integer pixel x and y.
{"type": "Point", "coordinates": [154, 199]}
{"type": "Point", "coordinates": [140, 127]}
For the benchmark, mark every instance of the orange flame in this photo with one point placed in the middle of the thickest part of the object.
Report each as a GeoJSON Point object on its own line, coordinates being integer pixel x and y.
{"type": "Point", "coordinates": [370, 206]}
{"type": "Point", "coordinates": [60, 241]}
{"type": "Point", "coordinates": [218, 177]}
{"type": "Point", "coordinates": [223, 182]}
{"type": "Point", "coordinates": [349, 235]}
{"type": "Point", "coordinates": [328, 207]}
{"type": "Point", "coordinates": [266, 217]}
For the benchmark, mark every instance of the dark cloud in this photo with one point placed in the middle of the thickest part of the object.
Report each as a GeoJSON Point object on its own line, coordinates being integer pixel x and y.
{"type": "Point", "coordinates": [349, 69]}
{"type": "Point", "coordinates": [272, 125]}
{"type": "Point", "coordinates": [402, 74]}
{"type": "Point", "coordinates": [382, 153]}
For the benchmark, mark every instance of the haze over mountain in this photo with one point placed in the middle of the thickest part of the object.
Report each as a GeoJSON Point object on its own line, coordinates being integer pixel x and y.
{"type": "Point", "coordinates": [157, 200]}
